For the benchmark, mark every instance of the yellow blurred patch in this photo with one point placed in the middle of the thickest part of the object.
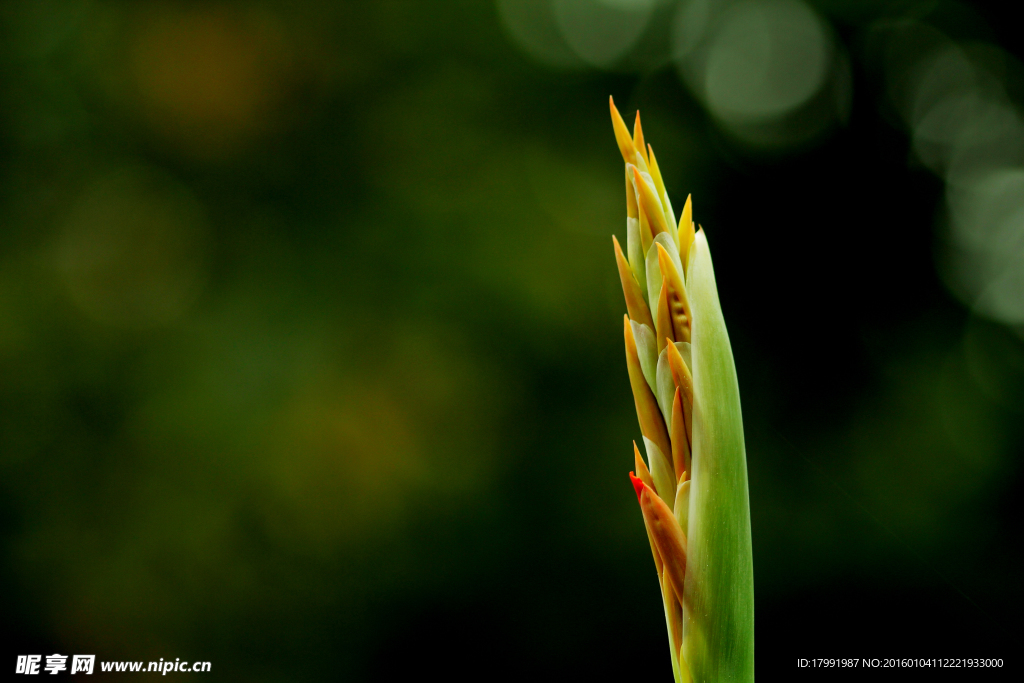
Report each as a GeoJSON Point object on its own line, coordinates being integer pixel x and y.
{"type": "Point", "coordinates": [209, 78]}
{"type": "Point", "coordinates": [133, 251]}
{"type": "Point", "coordinates": [344, 462]}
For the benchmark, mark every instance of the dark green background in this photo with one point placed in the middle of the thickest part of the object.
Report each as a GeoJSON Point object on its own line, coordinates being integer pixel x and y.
{"type": "Point", "coordinates": [311, 361]}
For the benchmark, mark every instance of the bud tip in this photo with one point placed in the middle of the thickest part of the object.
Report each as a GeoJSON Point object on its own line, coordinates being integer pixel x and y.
{"type": "Point", "coordinates": [638, 484]}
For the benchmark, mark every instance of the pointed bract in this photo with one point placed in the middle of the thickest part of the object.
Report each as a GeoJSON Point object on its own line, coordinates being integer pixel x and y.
{"type": "Point", "coordinates": [635, 254]}
{"type": "Point", "coordinates": [663, 320]}
{"type": "Point", "coordinates": [647, 352]}
{"type": "Point", "coordinates": [635, 304]}
{"type": "Point", "coordinates": [661, 473]}
{"type": "Point", "coordinates": [684, 380]}
{"type": "Point", "coordinates": [632, 208]}
{"type": "Point", "coordinates": [641, 469]}
{"type": "Point", "coordinates": [668, 538]}
{"type": "Point", "coordinates": [682, 506]}
{"type": "Point", "coordinates": [622, 135]}
{"type": "Point", "coordinates": [650, 205]}
{"type": "Point", "coordinates": [666, 203]}
{"type": "Point", "coordinates": [664, 389]}
{"type": "Point", "coordinates": [638, 485]}
{"type": "Point", "coordinates": [646, 238]}
{"type": "Point", "coordinates": [679, 304]}
{"type": "Point", "coordinates": [659, 183]}
{"type": "Point", "coordinates": [638, 139]}
{"type": "Point", "coordinates": [686, 232]}
{"type": "Point", "coordinates": [677, 435]}
{"type": "Point", "coordinates": [651, 423]}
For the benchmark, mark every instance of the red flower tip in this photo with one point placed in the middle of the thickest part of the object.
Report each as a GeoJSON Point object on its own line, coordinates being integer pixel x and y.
{"type": "Point", "coordinates": [638, 484]}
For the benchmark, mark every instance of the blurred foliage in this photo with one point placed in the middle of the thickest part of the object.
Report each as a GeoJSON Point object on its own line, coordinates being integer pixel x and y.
{"type": "Point", "coordinates": [310, 362]}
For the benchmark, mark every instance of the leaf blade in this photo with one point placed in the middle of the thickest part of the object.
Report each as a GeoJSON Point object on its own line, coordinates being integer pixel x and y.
{"type": "Point", "coordinates": [719, 641]}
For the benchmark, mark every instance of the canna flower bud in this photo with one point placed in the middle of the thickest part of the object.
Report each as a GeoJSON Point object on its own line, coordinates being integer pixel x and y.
{"type": "Point", "coordinates": [692, 489]}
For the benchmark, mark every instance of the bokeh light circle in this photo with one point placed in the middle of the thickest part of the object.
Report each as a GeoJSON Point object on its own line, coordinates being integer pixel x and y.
{"type": "Point", "coordinates": [601, 32]}
{"type": "Point", "coordinates": [766, 59]}
{"type": "Point", "coordinates": [987, 231]}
